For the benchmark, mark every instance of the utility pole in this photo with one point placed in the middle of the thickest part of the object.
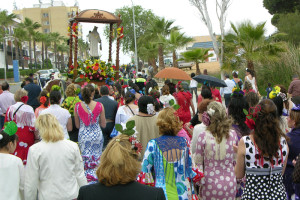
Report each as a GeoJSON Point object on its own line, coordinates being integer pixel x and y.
{"type": "Point", "coordinates": [135, 46]}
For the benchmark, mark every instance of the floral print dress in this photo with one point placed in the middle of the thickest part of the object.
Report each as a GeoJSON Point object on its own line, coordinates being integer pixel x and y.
{"type": "Point", "coordinates": [167, 164]}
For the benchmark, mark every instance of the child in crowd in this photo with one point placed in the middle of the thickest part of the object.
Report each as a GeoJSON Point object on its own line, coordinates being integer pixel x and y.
{"type": "Point", "coordinates": [11, 167]}
{"type": "Point", "coordinates": [268, 90]}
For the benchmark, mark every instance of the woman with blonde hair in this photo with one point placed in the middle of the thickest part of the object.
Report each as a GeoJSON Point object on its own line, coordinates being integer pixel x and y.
{"type": "Point", "coordinates": [54, 168]}
{"type": "Point", "coordinates": [168, 158]}
{"type": "Point", "coordinates": [215, 154]}
{"type": "Point", "coordinates": [23, 115]}
{"type": "Point", "coordinates": [117, 173]}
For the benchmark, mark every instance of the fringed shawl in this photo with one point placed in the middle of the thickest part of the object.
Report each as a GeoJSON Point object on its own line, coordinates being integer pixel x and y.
{"type": "Point", "coordinates": [23, 117]}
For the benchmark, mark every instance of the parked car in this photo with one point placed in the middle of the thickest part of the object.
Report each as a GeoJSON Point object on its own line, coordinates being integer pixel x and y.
{"type": "Point", "coordinates": [183, 64]}
{"type": "Point", "coordinates": [55, 73]}
{"type": "Point", "coordinates": [44, 74]}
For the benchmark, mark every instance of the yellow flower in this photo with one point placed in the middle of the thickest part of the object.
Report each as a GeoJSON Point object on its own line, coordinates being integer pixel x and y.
{"type": "Point", "coordinates": [277, 89]}
{"type": "Point", "coordinates": [272, 95]}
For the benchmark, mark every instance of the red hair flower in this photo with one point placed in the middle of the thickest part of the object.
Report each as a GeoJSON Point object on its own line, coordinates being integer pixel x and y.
{"type": "Point", "coordinates": [43, 99]}
{"type": "Point", "coordinates": [24, 99]}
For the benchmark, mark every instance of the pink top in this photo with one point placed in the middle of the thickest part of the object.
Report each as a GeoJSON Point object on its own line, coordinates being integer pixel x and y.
{"type": "Point", "coordinates": [87, 117]}
{"type": "Point", "coordinates": [183, 133]}
{"type": "Point", "coordinates": [249, 91]}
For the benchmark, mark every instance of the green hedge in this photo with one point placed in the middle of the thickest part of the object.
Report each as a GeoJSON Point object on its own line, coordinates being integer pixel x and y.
{"type": "Point", "coordinates": [10, 72]}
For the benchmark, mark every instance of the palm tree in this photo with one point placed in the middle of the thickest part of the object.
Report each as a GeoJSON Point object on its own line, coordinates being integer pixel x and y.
{"type": "Point", "coordinates": [5, 21]}
{"type": "Point", "coordinates": [176, 41]}
{"type": "Point", "coordinates": [31, 27]}
{"type": "Point", "coordinates": [20, 36]}
{"type": "Point", "coordinates": [83, 47]}
{"type": "Point", "coordinates": [249, 44]}
{"type": "Point", "coordinates": [56, 38]}
{"type": "Point", "coordinates": [148, 51]}
{"type": "Point", "coordinates": [197, 56]}
{"type": "Point", "coordinates": [38, 37]}
{"type": "Point", "coordinates": [62, 48]}
{"type": "Point", "coordinates": [47, 42]}
{"type": "Point", "coordinates": [157, 32]}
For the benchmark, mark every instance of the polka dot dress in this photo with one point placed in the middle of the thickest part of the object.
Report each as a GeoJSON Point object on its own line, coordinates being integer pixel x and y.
{"type": "Point", "coordinates": [263, 186]}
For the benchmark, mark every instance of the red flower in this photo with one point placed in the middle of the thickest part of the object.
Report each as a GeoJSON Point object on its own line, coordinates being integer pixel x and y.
{"type": "Point", "coordinates": [112, 78]}
{"type": "Point", "coordinates": [43, 99]}
{"type": "Point", "coordinates": [250, 123]}
{"type": "Point", "coordinates": [139, 147]}
{"type": "Point", "coordinates": [97, 64]}
{"type": "Point", "coordinates": [124, 86]}
{"type": "Point", "coordinates": [114, 66]}
{"type": "Point", "coordinates": [81, 76]}
{"type": "Point", "coordinates": [24, 99]}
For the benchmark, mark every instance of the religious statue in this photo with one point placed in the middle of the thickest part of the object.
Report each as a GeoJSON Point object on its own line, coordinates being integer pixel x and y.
{"type": "Point", "coordinates": [94, 38]}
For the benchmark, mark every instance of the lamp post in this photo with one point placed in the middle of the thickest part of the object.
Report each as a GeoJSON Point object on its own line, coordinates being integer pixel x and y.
{"type": "Point", "coordinates": [135, 46]}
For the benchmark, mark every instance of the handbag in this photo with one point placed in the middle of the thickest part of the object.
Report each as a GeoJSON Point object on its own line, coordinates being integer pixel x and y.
{"type": "Point", "coordinates": [296, 172]}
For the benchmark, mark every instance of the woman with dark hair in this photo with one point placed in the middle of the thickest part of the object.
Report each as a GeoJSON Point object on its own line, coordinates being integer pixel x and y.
{"type": "Point", "coordinates": [157, 104]}
{"type": "Point", "coordinates": [145, 121]}
{"type": "Point", "coordinates": [237, 81]}
{"type": "Point", "coordinates": [61, 114]}
{"type": "Point", "coordinates": [251, 78]}
{"type": "Point", "coordinates": [262, 155]}
{"type": "Point", "coordinates": [128, 110]}
{"type": "Point", "coordinates": [167, 162]}
{"type": "Point", "coordinates": [205, 94]}
{"type": "Point", "coordinates": [235, 110]}
{"type": "Point", "coordinates": [278, 101]}
{"type": "Point", "coordinates": [287, 103]}
{"type": "Point", "coordinates": [11, 167]}
{"type": "Point", "coordinates": [44, 100]}
{"type": "Point", "coordinates": [184, 100]}
{"type": "Point", "coordinates": [252, 98]}
{"type": "Point", "coordinates": [294, 148]}
{"type": "Point", "coordinates": [89, 116]}
{"type": "Point", "coordinates": [23, 115]}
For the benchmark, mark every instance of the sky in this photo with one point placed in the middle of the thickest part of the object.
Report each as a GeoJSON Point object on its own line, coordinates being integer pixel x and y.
{"type": "Point", "coordinates": [182, 12]}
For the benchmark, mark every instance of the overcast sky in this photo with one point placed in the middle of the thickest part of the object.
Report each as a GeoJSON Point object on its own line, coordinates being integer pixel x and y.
{"type": "Point", "coordinates": [185, 15]}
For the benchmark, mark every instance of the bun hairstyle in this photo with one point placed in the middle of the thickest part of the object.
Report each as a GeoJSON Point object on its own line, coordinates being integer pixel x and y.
{"type": "Point", "coordinates": [220, 124]}
{"type": "Point", "coordinates": [129, 97]}
{"type": "Point", "coordinates": [157, 104]}
{"type": "Point", "coordinates": [119, 162]}
{"type": "Point", "coordinates": [55, 97]}
{"type": "Point", "coordinates": [206, 93]}
{"type": "Point", "coordinates": [267, 130]}
{"type": "Point", "coordinates": [143, 102]}
{"type": "Point", "coordinates": [165, 90]}
{"type": "Point", "coordinates": [44, 94]}
{"type": "Point", "coordinates": [87, 92]}
{"type": "Point", "coordinates": [6, 139]}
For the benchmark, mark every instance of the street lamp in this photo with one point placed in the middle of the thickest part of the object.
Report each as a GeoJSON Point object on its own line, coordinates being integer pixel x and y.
{"type": "Point", "coordinates": [135, 46]}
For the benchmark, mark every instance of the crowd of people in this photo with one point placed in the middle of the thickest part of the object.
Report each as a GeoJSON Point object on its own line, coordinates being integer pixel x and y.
{"type": "Point", "coordinates": [130, 139]}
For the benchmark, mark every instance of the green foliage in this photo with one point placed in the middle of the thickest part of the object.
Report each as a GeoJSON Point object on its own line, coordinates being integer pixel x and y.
{"type": "Point", "coordinates": [196, 55]}
{"type": "Point", "coordinates": [33, 66]}
{"type": "Point", "coordinates": [5, 20]}
{"type": "Point", "coordinates": [281, 6]}
{"type": "Point", "coordinates": [290, 24]}
{"type": "Point", "coordinates": [129, 128]}
{"type": "Point", "coordinates": [175, 106]}
{"type": "Point", "coordinates": [142, 20]}
{"type": "Point", "coordinates": [47, 64]}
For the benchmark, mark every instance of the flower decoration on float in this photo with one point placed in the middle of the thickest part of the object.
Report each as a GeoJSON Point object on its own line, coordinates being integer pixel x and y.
{"type": "Point", "coordinates": [120, 32]}
{"type": "Point", "coordinates": [55, 88]}
{"type": "Point", "coordinates": [93, 70]}
{"type": "Point", "coordinates": [10, 128]}
{"type": "Point", "coordinates": [130, 130]}
{"type": "Point", "coordinates": [251, 116]}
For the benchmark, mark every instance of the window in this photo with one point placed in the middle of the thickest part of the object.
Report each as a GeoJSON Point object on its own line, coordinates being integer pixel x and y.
{"type": "Point", "coordinates": [46, 30]}
{"type": "Point", "coordinates": [46, 23]}
{"type": "Point", "coordinates": [45, 15]}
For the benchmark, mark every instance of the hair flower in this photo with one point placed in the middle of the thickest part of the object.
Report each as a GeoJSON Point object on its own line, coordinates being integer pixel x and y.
{"type": "Point", "coordinates": [43, 99]}
{"type": "Point", "coordinates": [251, 116]}
{"type": "Point", "coordinates": [296, 108]}
{"type": "Point", "coordinates": [150, 109]}
{"type": "Point", "coordinates": [205, 119]}
{"type": "Point", "coordinates": [24, 99]}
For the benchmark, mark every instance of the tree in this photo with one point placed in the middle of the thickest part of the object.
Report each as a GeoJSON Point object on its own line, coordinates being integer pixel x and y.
{"type": "Point", "coordinates": [176, 41]}
{"type": "Point", "coordinates": [5, 21]}
{"type": "Point", "coordinates": [83, 48]}
{"type": "Point", "coordinates": [37, 37]}
{"type": "Point", "coordinates": [31, 27]}
{"type": "Point", "coordinates": [290, 24]}
{"type": "Point", "coordinates": [157, 32]}
{"type": "Point", "coordinates": [148, 51]}
{"type": "Point", "coordinates": [47, 42]}
{"type": "Point", "coordinates": [221, 10]}
{"type": "Point", "coordinates": [281, 6]}
{"type": "Point", "coordinates": [20, 36]}
{"type": "Point", "coordinates": [56, 38]}
{"type": "Point", "coordinates": [197, 56]}
{"type": "Point", "coordinates": [142, 20]}
{"type": "Point", "coordinates": [248, 44]}
{"type": "Point", "coordinates": [62, 48]}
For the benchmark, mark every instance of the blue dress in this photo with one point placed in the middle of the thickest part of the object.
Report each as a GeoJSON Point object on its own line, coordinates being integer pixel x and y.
{"type": "Point", "coordinates": [90, 139]}
{"type": "Point", "coordinates": [167, 164]}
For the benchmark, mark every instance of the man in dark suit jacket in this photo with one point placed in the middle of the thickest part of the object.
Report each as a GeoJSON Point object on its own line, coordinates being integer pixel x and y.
{"type": "Point", "coordinates": [33, 93]}
{"type": "Point", "coordinates": [111, 107]}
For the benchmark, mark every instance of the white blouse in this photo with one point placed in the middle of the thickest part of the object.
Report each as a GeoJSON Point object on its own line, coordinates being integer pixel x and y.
{"type": "Point", "coordinates": [12, 177]}
{"type": "Point", "coordinates": [165, 99]}
{"type": "Point", "coordinates": [61, 114]}
{"type": "Point", "coordinates": [54, 170]}
{"type": "Point", "coordinates": [124, 113]}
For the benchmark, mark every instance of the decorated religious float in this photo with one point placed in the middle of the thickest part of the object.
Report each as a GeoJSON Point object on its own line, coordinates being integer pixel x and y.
{"type": "Point", "coordinates": [94, 70]}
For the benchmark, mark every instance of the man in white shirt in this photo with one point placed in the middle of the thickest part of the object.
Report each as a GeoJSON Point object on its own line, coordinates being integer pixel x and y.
{"type": "Point", "coordinates": [193, 86]}
{"type": "Point", "coordinates": [227, 90]}
{"type": "Point", "coordinates": [6, 100]}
